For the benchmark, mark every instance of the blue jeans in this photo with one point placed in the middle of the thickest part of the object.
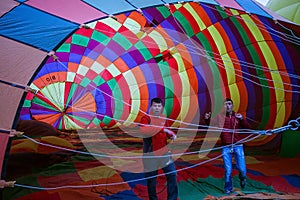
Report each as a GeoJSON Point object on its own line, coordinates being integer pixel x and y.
{"type": "Point", "coordinates": [239, 158]}
{"type": "Point", "coordinates": [172, 188]}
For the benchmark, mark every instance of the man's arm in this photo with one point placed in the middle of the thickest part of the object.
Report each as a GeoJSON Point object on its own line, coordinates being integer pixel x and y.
{"type": "Point", "coordinates": [171, 134]}
{"type": "Point", "coordinates": [150, 126]}
{"type": "Point", "coordinates": [209, 121]}
{"type": "Point", "coordinates": [243, 122]}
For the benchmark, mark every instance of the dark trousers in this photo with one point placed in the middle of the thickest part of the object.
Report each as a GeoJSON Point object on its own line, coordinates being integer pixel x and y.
{"type": "Point", "coordinates": [169, 169]}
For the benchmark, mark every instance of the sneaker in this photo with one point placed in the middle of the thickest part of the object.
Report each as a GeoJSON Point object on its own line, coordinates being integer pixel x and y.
{"type": "Point", "coordinates": [243, 183]}
{"type": "Point", "coordinates": [228, 191]}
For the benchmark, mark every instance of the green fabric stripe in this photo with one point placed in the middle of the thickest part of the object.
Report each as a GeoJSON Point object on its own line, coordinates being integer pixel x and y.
{"type": "Point", "coordinates": [60, 126]}
{"type": "Point", "coordinates": [169, 87]}
{"type": "Point", "coordinates": [241, 30]}
{"type": "Point", "coordinates": [58, 169]}
{"type": "Point", "coordinates": [143, 50]}
{"type": "Point", "coordinates": [100, 37]}
{"type": "Point", "coordinates": [64, 48]}
{"type": "Point", "coordinates": [106, 120]}
{"type": "Point", "coordinates": [27, 103]}
{"type": "Point", "coordinates": [200, 188]}
{"type": "Point", "coordinates": [184, 23]}
{"type": "Point", "coordinates": [290, 144]}
{"type": "Point", "coordinates": [164, 69]}
{"type": "Point", "coordinates": [98, 80]}
{"type": "Point", "coordinates": [259, 72]}
{"type": "Point", "coordinates": [265, 90]}
{"type": "Point", "coordinates": [169, 102]}
{"type": "Point", "coordinates": [17, 192]}
{"type": "Point", "coordinates": [80, 40]}
{"type": "Point", "coordinates": [78, 118]}
{"type": "Point", "coordinates": [123, 41]}
{"type": "Point", "coordinates": [43, 103]}
{"type": "Point", "coordinates": [85, 82]}
{"type": "Point", "coordinates": [96, 121]}
{"type": "Point", "coordinates": [71, 93]}
{"type": "Point", "coordinates": [221, 12]}
{"type": "Point", "coordinates": [118, 97]}
{"type": "Point", "coordinates": [82, 158]}
{"type": "Point", "coordinates": [164, 11]}
{"type": "Point", "coordinates": [215, 71]}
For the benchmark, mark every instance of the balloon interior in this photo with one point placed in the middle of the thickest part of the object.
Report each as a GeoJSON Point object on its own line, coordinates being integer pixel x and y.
{"type": "Point", "coordinates": [94, 78]}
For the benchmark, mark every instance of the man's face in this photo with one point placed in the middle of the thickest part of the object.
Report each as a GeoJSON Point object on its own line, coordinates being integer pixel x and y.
{"type": "Point", "coordinates": [156, 108]}
{"type": "Point", "coordinates": [228, 106]}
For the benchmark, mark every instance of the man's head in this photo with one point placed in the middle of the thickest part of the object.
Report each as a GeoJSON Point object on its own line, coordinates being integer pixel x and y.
{"type": "Point", "coordinates": [228, 105]}
{"type": "Point", "coordinates": [156, 106]}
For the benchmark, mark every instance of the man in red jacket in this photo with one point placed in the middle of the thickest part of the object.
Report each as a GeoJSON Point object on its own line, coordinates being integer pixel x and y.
{"type": "Point", "coordinates": [156, 132]}
{"type": "Point", "coordinates": [229, 120]}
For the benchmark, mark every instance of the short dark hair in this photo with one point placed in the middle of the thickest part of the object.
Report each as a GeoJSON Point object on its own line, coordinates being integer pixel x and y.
{"type": "Point", "coordinates": [156, 100]}
{"type": "Point", "coordinates": [228, 99]}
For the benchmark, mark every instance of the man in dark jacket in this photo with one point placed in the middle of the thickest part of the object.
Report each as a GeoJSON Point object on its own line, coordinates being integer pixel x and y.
{"type": "Point", "coordinates": [229, 121]}
{"type": "Point", "coordinates": [156, 154]}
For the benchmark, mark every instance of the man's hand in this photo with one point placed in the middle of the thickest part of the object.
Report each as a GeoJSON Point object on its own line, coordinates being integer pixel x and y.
{"type": "Point", "coordinates": [174, 136]}
{"type": "Point", "coordinates": [169, 132]}
{"type": "Point", "coordinates": [4, 183]}
{"type": "Point", "coordinates": [207, 115]}
{"type": "Point", "coordinates": [239, 116]}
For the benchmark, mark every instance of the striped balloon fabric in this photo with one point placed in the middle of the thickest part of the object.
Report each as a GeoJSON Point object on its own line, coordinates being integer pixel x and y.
{"type": "Point", "coordinates": [191, 55]}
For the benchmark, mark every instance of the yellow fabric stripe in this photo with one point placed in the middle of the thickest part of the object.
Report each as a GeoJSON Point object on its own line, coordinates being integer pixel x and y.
{"type": "Point", "coordinates": [272, 65]}
{"type": "Point", "coordinates": [199, 21]}
{"type": "Point", "coordinates": [178, 5]}
{"type": "Point", "coordinates": [218, 39]}
{"type": "Point", "coordinates": [231, 79]}
{"type": "Point", "coordinates": [132, 25]}
{"type": "Point", "coordinates": [58, 99]}
{"type": "Point", "coordinates": [185, 95]}
{"type": "Point", "coordinates": [159, 40]}
{"type": "Point", "coordinates": [135, 96]}
{"type": "Point", "coordinates": [277, 81]}
{"type": "Point", "coordinates": [252, 27]}
{"type": "Point", "coordinates": [234, 12]}
{"type": "Point", "coordinates": [114, 24]}
{"type": "Point", "coordinates": [226, 61]}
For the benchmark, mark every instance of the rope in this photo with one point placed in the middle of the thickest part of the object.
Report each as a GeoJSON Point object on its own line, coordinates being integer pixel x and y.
{"type": "Point", "coordinates": [220, 61]}
{"type": "Point", "coordinates": [124, 182]}
{"type": "Point", "coordinates": [164, 118]}
{"type": "Point", "coordinates": [232, 136]}
{"type": "Point", "coordinates": [116, 183]}
{"type": "Point", "coordinates": [292, 125]}
{"type": "Point", "coordinates": [20, 86]}
{"type": "Point", "coordinates": [118, 120]}
{"type": "Point", "coordinates": [55, 58]}
{"type": "Point", "coordinates": [120, 157]}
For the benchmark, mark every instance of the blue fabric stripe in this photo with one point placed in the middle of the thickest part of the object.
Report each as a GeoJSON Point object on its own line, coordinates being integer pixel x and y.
{"type": "Point", "coordinates": [51, 68]}
{"type": "Point", "coordinates": [127, 58]}
{"type": "Point", "coordinates": [201, 1]}
{"type": "Point", "coordinates": [209, 2]}
{"type": "Point", "coordinates": [35, 28]}
{"type": "Point", "coordinates": [108, 7]}
{"type": "Point", "coordinates": [175, 1]}
{"type": "Point", "coordinates": [144, 4]}
{"type": "Point", "coordinates": [251, 7]}
{"type": "Point", "coordinates": [228, 30]}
